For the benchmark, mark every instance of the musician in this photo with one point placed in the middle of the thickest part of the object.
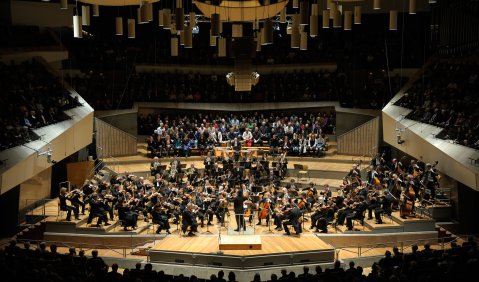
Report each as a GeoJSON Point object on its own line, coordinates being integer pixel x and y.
{"type": "Point", "coordinates": [205, 211]}
{"type": "Point", "coordinates": [76, 201]}
{"type": "Point", "coordinates": [257, 137]}
{"type": "Point", "coordinates": [127, 215]}
{"type": "Point", "coordinates": [64, 206]}
{"type": "Point", "coordinates": [372, 202]}
{"type": "Point", "coordinates": [396, 166]}
{"type": "Point", "coordinates": [265, 206]}
{"type": "Point", "coordinates": [216, 171]}
{"type": "Point", "coordinates": [160, 216]}
{"type": "Point", "coordinates": [283, 161]}
{"type": "Point", "coordinates": [97, 209]}
{"type": "Point", "coordinates": [277, 173]}
{"type": "Point", "coordinates": [357, 212]}
{"type": "Point", "coordinates": [323, 214]}
{"type": "Point", "coordinates": [281, 214]}
{"type": "Point", "coordinates": [189, 220]}
{"type": "Point", "coordinates": [238, 173]}
{"type": "Point", "coordinates": [429, 180]}
{"type": "Point", "coordinates": [274, 144]}
{"type": "Point", "coordinates": [293, 220]}
{"type": "Point", "coordinates": [221, 206]}
{"type": "Point", "coordinates": [378, 160]}
{"type": "Point", "coordinates": [238, 204]}
{"type": "Point", "coordinates": [192, 173]}
{"type": "Point", "coordinates": [327, 192]}
{"type": "Point", "coordinates": [208, 162]}
{"type": "Point", "coordinates": [236, 146]}
{"type": "Point", "coordinates": [210, 143]}
{"type": "Point", "coordinates": [155, 167]}
{"type": "Point", "coordinates": [354, 172]}
{"type": "Point", "coordinates": [248, 138]}
{"type": "Point", "coordinates": [384, 207]}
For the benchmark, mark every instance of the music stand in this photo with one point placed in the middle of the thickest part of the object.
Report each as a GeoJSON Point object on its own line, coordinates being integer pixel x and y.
{"type": "Point", "coordinates": [270, 212]}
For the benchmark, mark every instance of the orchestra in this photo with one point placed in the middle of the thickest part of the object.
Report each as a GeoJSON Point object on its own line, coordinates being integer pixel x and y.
{"type": "Point", "coordinates": [252, 188]}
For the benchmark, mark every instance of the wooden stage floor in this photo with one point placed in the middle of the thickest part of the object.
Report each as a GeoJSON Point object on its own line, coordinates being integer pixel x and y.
{"type": "Point", "coordinates": [271, 244]}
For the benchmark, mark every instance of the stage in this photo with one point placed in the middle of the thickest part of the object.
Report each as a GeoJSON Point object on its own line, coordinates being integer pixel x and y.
{"type": "Point", "coordinates": [275, 250]}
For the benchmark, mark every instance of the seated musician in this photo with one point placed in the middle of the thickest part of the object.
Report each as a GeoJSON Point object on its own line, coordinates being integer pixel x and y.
{"type": "Point", "coordinates": [64, 206]}
{"type": "Point", "coordinates": [216, 171]}
{"type": "Point", "coordinates": [323, 214]}
{"type": "Point", "coordinates": [208, 162]}
{"type": "Point", "coordinates": [373, 202]}
{"type": "Point", "coordinates": [281, 214]}
{"type": "Point", "coordinates": [210, 143]}
{"type": "Point", "coordinates": [127, 215]}
{"type": "Point", "coordinates": [205, 211]}
{"type": "Point", "coordinates": [155, 167]}
{"type": "Point", "coordinates": [265, 206]}
{"type": "Point", "coordinates": [160, 216]}
{"type": "Point", "coordinates": [97, 209]}
{"type": "Point", "coordinates": [77, 199]}
{"type": "Point", "coordinates": [189, 220]}
{"type": "Point", "coordinates": [221, 206]}
{"type": "Point", "coordinates": [247, 137]}
{"type": "Point", "coordinates": [277, 173]}
{"type": "Point", "coordinates": [356, 212]}
{"type": "Point", "coordinates": [385, 204]}
{"type": "Point", "coordinates": [293, 220]}
{"type": "Point", "coordinates": [192, 173]}
{"type": "Point", "coordinates": [274, 145]}
{"type": "Point", "coordinates": [236, 146]}
{"type": "Point", "coordinates": [238, 173]}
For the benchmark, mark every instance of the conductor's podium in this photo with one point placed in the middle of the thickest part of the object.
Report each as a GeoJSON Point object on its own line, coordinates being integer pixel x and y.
{"type": "Point", "coordinates": [240, 242]}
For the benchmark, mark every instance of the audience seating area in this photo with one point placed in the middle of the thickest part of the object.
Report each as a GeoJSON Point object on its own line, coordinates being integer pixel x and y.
{"type": "Point", "coordinates": [446, 96]}
{"type": "Point", "coordinates": [32, 98]}
{"type": "Point", "coordinates": [40, 263]}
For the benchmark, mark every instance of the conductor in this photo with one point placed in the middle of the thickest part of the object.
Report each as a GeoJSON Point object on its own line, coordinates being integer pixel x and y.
{"type": "Point", "coordinates": [238, 203]}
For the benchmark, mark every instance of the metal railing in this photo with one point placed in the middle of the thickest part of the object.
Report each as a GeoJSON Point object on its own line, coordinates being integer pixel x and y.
{"type": "Point", "coordinates": [123, 250]}
{"type": "Point", "coordinates": [406, 245]}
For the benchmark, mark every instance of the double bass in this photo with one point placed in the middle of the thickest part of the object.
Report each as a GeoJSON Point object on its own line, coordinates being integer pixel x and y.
{"type": "Point", "coordinates": [407, 204]}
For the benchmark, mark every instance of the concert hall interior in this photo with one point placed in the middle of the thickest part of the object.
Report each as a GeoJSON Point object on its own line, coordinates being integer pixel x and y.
{"type": "Point", "coordinates": [239, 140]}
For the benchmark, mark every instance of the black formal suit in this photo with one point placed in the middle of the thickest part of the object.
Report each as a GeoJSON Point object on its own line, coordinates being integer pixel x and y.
{"type": "Point", "coordinates": [238, 205]}
{"type": "Point", "coordinates": [293, 220]}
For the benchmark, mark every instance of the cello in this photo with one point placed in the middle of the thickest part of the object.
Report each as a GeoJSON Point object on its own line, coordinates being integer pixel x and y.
{"type": "Point", "coordinates": [407, 204]}
{"type": "Point", "coordinates": [264, 208]}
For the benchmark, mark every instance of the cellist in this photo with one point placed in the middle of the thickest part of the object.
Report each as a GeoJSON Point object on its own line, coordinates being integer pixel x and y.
{"type": "Point", "coordinates": [264, 206]}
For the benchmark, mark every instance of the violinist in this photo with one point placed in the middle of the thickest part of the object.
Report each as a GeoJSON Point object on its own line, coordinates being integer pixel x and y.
{"type": "Point", "coordinates": [97, 209]}
{"type": "Point", "coordinates": [192, 173]}
{"type": "Point", "coordinates": [64, 206]}
{"type": "Point", "coordinates": [357, 212]}
{"type": "Point", "coordinates": [127, 215]}
{"type": "Point", "coordinates": [281, 214]}
{"type": "Point", "coordinates": [160, 216]}
{"type": "Point", "coordinates": [321, 216]}
{"type": "Point", "coordinates": [373, 202]}
{"type": "Point", "coordinates": [189, 215]}
{"type": "Point", "coordinates": [327, 192]}
{"type": "Point", "coordinates": [155, 167]}
{"type": "Point", "coordinates": [75, 198]}
{"type": "Point", "coordinates": [293, 220]}
{"type": "Point", "coordinates": [384, 207]}
{"type": "Point", "coordinates": [205, 211]}
{"type": "Point", "coordinates": [221, 206]}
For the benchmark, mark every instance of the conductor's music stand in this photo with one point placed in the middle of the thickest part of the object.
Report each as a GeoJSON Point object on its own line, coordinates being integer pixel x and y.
{"type": "Point", "coordinates": [269, 220]}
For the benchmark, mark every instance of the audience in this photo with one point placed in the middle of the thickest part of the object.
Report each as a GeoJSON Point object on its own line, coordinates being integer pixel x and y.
{"type": "Point", "coordinates": [446, 96]}
{"type": "Point", "coordinates": [457, 263]}
{"type": "Point", "coordinates": [32, 98]}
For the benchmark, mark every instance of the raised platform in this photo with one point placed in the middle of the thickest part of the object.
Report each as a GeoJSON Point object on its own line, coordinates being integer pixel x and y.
{"type": "Point", "coordinates": [240, 242]}
{"type": "Point", "coordinates": [275, 251]}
